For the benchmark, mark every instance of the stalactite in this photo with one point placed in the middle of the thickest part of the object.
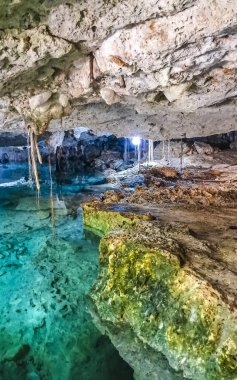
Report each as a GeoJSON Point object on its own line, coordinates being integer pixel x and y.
{"type": "Point", "coordinates": [139, 156]}
{"type": "Point", "coordinates": [168, 152]}
{"type": "Point", "coordinates": [135, 152]}
{"type": "Point", "coordinates": [125, 155]}
{"type": "Point", "coordinates": [150, 151]}
{"type": "Point", "coordinates": [149, 154]}
{"type": "Point", "coordinates": [181, 156]}
{"type": "Point", "coordinates": [163, 150]}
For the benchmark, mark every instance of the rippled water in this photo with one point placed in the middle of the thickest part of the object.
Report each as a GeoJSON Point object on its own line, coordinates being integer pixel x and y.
{"type": "Point", "coordinates": [45, 329]}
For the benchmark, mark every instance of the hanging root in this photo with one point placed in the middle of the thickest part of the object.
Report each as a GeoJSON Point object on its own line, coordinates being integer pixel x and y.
{"type": "Point", "coordinates": [33, 160]}
{"type": "Point", "coordinates": [92, 78]}
{"type": "Point", "coordinates": [29, 157]}
{"type": "Point", "coordinates": [51, 198]}
{"type": "Point", "coordinates": [37, 149]}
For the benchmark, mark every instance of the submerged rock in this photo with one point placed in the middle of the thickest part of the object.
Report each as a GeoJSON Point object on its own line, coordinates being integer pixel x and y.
{"type": "Point", "coordinates": [21, 353]}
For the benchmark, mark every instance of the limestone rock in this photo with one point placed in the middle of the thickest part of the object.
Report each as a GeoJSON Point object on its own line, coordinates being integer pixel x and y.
{"type": "Point", "coordinates": [109, 96]}
{"type": "Point", "coordinates": [39, 100]}
{"type": "Point", "coordinates": [174, 92]}
{"type": "Point", "coordinates": [55, 140]}
{"type": "Point", "coordinates": [117, 165]}
{"type": "Point", "coordinates": [172, 308]}
{"type": "Point", "coordinates": [100, 164]}
{"type": "Point", "coordinates": [203, 148]}
{"type": "Point", "coordinates": [108, 58]}
{"type": "Point", "coordinates": [63, 100]}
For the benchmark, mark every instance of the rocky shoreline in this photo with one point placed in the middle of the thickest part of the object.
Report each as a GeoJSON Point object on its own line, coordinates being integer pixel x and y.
{"type": "Point", "coordinates": [166, 291]}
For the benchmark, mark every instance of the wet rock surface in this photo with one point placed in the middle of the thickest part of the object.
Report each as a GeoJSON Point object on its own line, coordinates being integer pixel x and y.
{"type": "Point", "coordinates": [168, 269]}
{"type": "Point", "coordinates": [170, 305]}
{"type": "Point", "coordinates": [169, 282]}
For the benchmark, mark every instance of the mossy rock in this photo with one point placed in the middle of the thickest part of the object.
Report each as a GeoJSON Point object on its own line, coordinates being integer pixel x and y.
{"type": "Point", "coordinates": [172, 310]}
{"type": "Point", "coordinates": [168, 307]}
{"type": "Point", "coordinates": [103, 220]}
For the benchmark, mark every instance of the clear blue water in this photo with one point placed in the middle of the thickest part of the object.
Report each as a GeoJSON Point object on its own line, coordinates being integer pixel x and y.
{"type": "Point", "coordinates": [46, 331]}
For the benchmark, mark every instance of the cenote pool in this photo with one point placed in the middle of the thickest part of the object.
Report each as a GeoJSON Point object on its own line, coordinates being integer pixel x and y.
{"type": "Point", "coordinates": [46, 331]}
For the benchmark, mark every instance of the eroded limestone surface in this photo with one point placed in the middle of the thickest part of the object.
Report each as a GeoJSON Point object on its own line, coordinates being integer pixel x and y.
{"type": "Point", "coordinates": [158, 68]}
{"type": "Point", "coordinates": [161, 287]}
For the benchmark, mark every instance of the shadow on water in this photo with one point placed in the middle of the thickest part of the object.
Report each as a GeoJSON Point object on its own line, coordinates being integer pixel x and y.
{"type": "Point", "coordinates": [45, 330]}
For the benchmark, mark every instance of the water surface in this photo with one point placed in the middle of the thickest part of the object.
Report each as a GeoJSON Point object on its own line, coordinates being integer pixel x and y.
{"type": "Point", "coordinates": [45, 274]}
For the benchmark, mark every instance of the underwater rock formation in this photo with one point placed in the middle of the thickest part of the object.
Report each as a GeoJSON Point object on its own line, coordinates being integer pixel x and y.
{"type": "Point", "coordinates": [162, 69]}
{"type": "Point", "coordinates": [155, 299]}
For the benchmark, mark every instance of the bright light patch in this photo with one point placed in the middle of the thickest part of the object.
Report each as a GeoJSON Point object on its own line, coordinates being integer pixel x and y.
{"type": "Point", "coordinates": [136, 140]}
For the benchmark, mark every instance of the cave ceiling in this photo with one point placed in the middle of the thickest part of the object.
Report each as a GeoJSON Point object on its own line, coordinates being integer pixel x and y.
{"type": "Point", "coordinates": [156, 68]}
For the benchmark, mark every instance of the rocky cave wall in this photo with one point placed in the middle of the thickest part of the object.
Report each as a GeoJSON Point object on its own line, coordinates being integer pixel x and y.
{"type": "Point", "coordinates": [71, 151]}
{"type": "Point", "coordinates": [161, 69]}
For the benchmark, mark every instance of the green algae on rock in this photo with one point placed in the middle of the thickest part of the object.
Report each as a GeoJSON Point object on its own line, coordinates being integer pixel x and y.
{"type": "Point", "coordinates": [104, 221]}
{"type": "Point", "coordinates": [168, 307]}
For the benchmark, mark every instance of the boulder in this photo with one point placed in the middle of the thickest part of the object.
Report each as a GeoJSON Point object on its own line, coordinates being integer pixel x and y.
{"type": "Point", "coordinates": [13, 154]}
{"type": "Point", "coordinates": [109, 155]}
{"type": "Point", "coordinates": [39, 99]}
{"type": "Point", "coordinates": [233, 145]}
{"type": "Point", "coordinates": [203, 148]}
{"type": "Point", "coordinates": [91, 152]}
{"type": "Point", "coordinates": [4, 158]}
{"type": "Point", "coordinates": [109, 96]}
{"type": "Point", "coordinates": [78, 132]}
{"type": "Point", "coordinates": [99, 164]}
{"type": "Point", "coordinates": [117, 165]}
{"type": "Point", "coordinates": [63, 100]}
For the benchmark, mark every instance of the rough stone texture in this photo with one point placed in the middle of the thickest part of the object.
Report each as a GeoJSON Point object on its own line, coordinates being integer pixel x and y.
{"type": "Point", "coordinates": [72, 151]}
{"type": "Point", "coordinates": [170, 66]}
{"type": "Point", "coordinates": [161, 303]}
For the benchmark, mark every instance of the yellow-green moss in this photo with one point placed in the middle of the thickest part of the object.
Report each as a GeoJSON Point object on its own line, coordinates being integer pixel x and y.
{"type": "Point", "coordinates": [167, 306]}
{"type": "Point", "coordinates": [105, 221]}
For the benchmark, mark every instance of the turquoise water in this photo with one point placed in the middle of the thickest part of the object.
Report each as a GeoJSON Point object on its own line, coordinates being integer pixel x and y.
{"type": "Point", "coordinates": [46, 331]}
